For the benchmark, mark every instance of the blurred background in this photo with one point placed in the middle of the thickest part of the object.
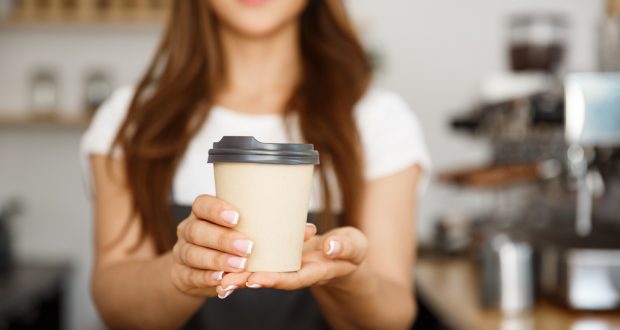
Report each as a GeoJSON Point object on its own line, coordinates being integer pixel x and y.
{"type": "Point", "coordinates": [518, 230]}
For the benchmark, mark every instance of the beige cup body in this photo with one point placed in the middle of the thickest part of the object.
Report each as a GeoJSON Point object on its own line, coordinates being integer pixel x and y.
{"type": "Point", "coordinates": [272, 201]}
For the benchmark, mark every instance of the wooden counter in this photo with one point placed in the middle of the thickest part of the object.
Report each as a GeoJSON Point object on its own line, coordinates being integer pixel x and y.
{"type": "Point", "coordinates": [450, 289]}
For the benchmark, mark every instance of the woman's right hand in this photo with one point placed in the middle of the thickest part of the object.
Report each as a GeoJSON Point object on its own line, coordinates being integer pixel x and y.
{"type": "Point", "coordinates": [207, 247]}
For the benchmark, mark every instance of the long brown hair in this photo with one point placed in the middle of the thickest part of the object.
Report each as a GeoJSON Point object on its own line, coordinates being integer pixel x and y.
{"type": "Point", "coordinates": [173, 98]}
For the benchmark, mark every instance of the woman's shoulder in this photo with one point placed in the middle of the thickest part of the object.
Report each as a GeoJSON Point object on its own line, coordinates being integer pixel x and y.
{"type": "Point", "coordinates": [106, 122]}
{"type": "Point", "coordinates": [384, 110]}
{"type": "Point", "coordinates": [118, 103]}
{"type": "Point", "coordinates": [378, 101]}
{"type": "Point", "coordinates": [390, 132]}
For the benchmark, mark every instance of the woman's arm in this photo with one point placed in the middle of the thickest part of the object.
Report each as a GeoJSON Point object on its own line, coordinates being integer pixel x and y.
{"type": "Point", "coordinates": [135, 288]}
{"type": "Point", "coordinates": [138, 294]}
{"type": "Point", "coordinates": [362, 278]}
{"type": "Point", "coordinates": [131, 288]}
{"type": "Point", "coordinates": [379, 294]}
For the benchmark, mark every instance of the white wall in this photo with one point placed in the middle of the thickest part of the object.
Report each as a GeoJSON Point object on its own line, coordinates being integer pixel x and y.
{"type": "Point", "coordinates": [42, 166]}
{"type": "Point", "coordinates": [72, 52]}
{"type": "Point", "coordinates": [436, 51]}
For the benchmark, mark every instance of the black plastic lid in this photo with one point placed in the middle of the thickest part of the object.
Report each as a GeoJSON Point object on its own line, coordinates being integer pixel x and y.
{"type": "Point", "coordinates": [246, 149]}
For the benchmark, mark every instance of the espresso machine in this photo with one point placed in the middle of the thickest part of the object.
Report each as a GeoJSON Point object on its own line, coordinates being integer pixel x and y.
{"type": "Point", "coordinates": [561, 239]}
{"type": "Point", "coordinates": [581, 269]}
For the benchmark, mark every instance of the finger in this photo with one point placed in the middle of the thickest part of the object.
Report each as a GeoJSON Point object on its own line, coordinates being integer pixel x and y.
{"type": "Point", "coordinates": [346, 243]}
{"type": "Point", "coordinates": [215, 237]}
{"type": "Point", "coordinates": [238, 279]}
{"type": "Point", "coordinates": [310, 274]}
{"type": "Point", "coordinates": [213, 209]}
{"type": "Point", "coordinates": [281, 281]}
{"type": "Point", "coordinates": [207, 259]}
{"type": "Point", "coordinates": [204, 278]}
{"type": "Point", "coordinates": [224, 292]}
{"type": "Point", "coordinates": [310, 230]}
{"type": "Point", "coordinates": [198, 282]}
{"type": "Point", "coordinates": [311, 244]}
{"type": "Point", "coordinates": [231, 282]}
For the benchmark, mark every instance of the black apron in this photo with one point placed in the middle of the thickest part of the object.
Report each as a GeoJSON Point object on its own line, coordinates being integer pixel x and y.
{"type": "Point", "coordinates": [257, 308]}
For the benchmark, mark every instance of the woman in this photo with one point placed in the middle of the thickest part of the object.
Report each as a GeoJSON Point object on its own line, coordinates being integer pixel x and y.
{"type": "Point", "coordinates": [282, 71]}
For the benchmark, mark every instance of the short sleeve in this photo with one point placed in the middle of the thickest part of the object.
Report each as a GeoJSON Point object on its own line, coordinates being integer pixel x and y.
{"type": "Point", "coordinates": [391, 136]}
{"type": "Point", "coordinates": [98, 138]}
{"type": "Point", "coordinates": [108, 119]}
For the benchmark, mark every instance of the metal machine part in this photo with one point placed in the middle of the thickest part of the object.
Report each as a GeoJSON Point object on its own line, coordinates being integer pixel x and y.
{"type": "Point", "coordinates": [581, 273]}
{"type": "Point", "coordinates": [508, 274]}
{"type": "Point", "coordinates": [592, 120]}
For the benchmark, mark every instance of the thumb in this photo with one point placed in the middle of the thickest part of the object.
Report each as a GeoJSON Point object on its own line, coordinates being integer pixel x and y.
{"type": "Point", "coordinates": [345, 243]}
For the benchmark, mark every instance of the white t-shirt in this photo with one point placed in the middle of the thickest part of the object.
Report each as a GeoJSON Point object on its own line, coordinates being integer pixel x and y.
{"type": "Point", "coordinates": [391, 137]}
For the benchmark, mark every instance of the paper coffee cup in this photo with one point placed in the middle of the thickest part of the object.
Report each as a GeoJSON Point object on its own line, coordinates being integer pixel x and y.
{"type": "Point", "coordinates": [269, 184]}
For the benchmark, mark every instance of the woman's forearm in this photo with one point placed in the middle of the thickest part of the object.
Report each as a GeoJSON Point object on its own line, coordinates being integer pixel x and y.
{"type": "Point", "coordinates": [140, 295]}
{"type": "Point", "coordinates": [365, 300]}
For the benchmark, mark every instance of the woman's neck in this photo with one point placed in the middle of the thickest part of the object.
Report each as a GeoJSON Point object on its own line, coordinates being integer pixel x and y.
{"type": "Point", "coordinates": [260, 70]}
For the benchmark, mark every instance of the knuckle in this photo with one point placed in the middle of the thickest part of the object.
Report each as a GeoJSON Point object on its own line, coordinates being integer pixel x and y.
{"type": "Point", "coordinates": [355, 243]}
{"type": "Point", "coordinates": [193, 231]}
{"type": "Point", "coordinates": [193, 279]}
{"type": "Point", "coordinates": [206, 280]}
{"type": "Point", "coordinates": [181, 228]}
{"type": "Point", "coordinates": [194, 256]}
{"type": "Point", "coordinates": [186, 276]}
{"type": "Point", "coordinates": [198, 204]}
{"type": "Point", "coordinates": [180, 255]}
{"type": "Point", "coordinates": [206, 206]}
{"type": "Point", "coordinates": [221, 261]}
{"type": "Point", "coordinates": [186, 255]}
{"type": "Point", "coordinates": [223, 241]}
{"type": "Point", "coordinates": [201, 258]}
{"type": "Point", "coordinates": [191, 282]}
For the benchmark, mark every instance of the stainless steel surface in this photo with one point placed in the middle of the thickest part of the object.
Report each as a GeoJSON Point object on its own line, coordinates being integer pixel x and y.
{"type": "Point", "coordinates": [566, 228]}
{"type": "Point", "coordinates": [508, 280]}
{"type": "Point", "coordinates": [593, 109]}
{"type": "Point", "coordinates": [592, 120]}
{"type": "Point", "coordinates": [581, 272]}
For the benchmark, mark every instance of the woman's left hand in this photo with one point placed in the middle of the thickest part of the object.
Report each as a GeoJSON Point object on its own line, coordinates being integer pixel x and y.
{"type": "Point", "coordinates": [333, 255]}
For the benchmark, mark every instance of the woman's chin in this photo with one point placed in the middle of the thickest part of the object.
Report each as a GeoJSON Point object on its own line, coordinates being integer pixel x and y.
{"type": "Point", "coordinates": [253, 2]}
{"type": "Point", "coordinates": [258, 18]}
{"type": "Point", "coordinates": [257, 28]}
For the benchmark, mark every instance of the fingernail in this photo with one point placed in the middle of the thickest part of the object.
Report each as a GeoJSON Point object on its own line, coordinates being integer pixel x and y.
{"type": "Point", "coordinates": [225, 295]}
{"type": "Point", "coordinates": [309, 224]}
{"type": "Point", "coordinates": [229, 216]}
{"type": "Point", "coordinates": [228, 288]}
{"type": "Point", "coordinates": [237, 262]}
{"type": "Point", "coordinates": [217, 276]}
{"type": "Point", "coordinates": [253, 286]}
{"type": "Point", "coordinates": [334, 248]}
{"type": "Point", "coordinates": [243, 245]}
{"type": "Point", "coordinates": [227, 292]}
